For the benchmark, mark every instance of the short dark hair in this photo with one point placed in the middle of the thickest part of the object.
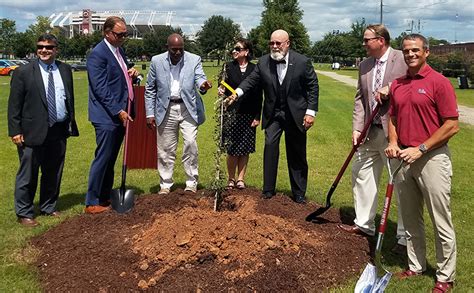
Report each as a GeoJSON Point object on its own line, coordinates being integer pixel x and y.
{"type": "Point", "coordinates": [380, 31]}
{"type": "Point", "coordinates": [110, 22]}
{"type": "Point", "coordinates": [247, 45]}
{"type": "Point", "coordinates": [412, 37]}
{"type": "Point", "coordinates": [48, 38]}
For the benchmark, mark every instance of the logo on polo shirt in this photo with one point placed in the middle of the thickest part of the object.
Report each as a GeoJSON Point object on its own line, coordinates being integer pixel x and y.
{"type": "Point", "coordinates": [421, 91]}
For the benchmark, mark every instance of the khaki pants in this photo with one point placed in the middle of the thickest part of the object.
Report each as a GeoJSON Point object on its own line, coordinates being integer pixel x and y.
{"type": "Point", "coordinates": [367, 169]}
{"type": "Point", "coordinates": [428, 181]}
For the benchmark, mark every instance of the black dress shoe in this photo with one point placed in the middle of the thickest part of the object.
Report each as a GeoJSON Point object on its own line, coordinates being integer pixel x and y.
{"type": "Point", "coordinates": [267, 195]}
{"type": "Point", "coordinates": [301, 199]}
{"type": "Point", "coordinates": [352, 229]}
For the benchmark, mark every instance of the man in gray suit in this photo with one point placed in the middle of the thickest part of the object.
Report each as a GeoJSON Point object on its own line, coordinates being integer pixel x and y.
{"type": "Point", "coordinates": [383, 65]}
{"type": "Point", "coordinates": [172, 103]}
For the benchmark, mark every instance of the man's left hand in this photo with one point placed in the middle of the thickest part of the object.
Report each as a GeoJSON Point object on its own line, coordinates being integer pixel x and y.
{"type": "Point", "coordinates": [410, 155]}
{"type": "Point", "coordinates": [308, 121]}
{"type": "Point", "coordinates": [205, 86]}
{"type": "Point", "coordinates": [132, 72]}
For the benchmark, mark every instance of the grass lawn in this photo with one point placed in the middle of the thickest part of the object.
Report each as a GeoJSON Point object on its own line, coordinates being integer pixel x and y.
{"type": "Point", "coordinates": [328, 145]}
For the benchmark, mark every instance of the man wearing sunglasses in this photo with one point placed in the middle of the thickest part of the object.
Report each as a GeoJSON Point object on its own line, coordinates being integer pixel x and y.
{"type": "Point", "coordinates": [110, 88]}
{"type": "Point", "coordinates": [40, 118]}
{"type": "Point", "coordinates": [383, 65]}
{"type": "Point", "coordinates": [290, 105]}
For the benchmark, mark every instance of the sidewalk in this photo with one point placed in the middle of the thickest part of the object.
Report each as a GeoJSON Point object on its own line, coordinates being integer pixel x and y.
{"type": "Point", "coordinates": [466, 114]}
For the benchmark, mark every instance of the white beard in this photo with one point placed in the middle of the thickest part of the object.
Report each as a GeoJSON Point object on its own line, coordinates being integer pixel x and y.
{"type": "Point", "coordinates": [277, 56]}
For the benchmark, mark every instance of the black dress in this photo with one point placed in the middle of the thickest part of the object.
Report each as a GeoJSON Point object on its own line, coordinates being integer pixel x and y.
{"type": "Point", "coordinates": [238, 135]}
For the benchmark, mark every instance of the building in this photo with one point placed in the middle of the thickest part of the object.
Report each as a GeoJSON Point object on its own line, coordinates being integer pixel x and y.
{"type": "Point", "coordinates": [464, 48]}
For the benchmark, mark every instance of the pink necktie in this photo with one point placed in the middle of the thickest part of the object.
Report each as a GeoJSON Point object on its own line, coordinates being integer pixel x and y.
{"type": "Point", "coordinates": [125, 72]}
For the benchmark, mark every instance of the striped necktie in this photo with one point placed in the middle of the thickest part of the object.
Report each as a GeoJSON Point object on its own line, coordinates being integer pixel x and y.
{"type": "Point", "coordinates": [51, 97]}
{"type": "Point", "coordinates": [377, 86]}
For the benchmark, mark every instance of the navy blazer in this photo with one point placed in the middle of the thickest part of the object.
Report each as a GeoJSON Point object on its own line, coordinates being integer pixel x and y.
{"type": "Point", "coordinates": [28, 107]}
{"type": "Point", "coordinates": [108, 92]}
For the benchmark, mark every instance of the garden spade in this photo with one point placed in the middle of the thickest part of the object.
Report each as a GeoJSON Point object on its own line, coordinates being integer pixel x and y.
{"type": "Point", "coordinates": [122, 199]}
{"type": "Point", "coordinates": [375, 277]}
{"type": "Point", "coordinates": [313, 216]}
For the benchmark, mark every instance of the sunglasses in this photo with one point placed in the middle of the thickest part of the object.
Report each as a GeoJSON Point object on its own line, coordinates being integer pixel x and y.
{"type": "Point", "coordinates": [47, 47]}
{"type": "Point", "coordinates": [278, 44]}
{"type": "Point", "coordinates": [366, 40]}
{"type": "Point", "coordinates": [120, 35]}
{"type": "Point", "coordinates": [238, 49]}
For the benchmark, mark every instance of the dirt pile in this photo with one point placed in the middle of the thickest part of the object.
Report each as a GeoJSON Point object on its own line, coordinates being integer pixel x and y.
{"type": "Point", "coordinates": [178, 243]}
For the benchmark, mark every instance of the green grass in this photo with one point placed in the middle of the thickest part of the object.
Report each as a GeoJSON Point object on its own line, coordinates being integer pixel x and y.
{"type": "Point", "coordinates": [328, 146]}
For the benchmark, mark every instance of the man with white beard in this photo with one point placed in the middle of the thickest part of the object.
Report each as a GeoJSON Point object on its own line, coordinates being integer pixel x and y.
{"type": "Point", "coordinates": [290, 105]}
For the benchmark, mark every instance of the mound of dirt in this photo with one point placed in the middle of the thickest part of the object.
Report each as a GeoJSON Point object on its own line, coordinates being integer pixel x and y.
{"type": "Point", "coordinates": [178, 243]}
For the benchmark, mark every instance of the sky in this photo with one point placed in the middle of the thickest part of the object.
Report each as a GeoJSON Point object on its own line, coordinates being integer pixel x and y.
{"type": "Point", "coordinates": [452, 20]}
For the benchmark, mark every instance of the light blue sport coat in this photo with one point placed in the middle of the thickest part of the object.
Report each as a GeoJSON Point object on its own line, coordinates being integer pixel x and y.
{"type": "Point", "coordinates": [158, 86]}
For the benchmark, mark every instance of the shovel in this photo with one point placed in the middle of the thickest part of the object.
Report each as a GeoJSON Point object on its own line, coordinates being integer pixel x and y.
{"type": "Point", "coordinates": [375, 277]}
{"type": "Point", "coordinates": [312, 217]}
{"type": "Point", "coordinates": [122, 199]}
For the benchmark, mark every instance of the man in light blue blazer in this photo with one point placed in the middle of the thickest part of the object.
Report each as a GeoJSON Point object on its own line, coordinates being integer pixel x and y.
{"type": "Point", "coordinates": [172, 103]}
{"type": "Point", "coordinates": [110, 87]}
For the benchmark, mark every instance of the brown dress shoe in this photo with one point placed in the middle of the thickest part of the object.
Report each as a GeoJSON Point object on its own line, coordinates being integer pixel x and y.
{"type": "Point", "coordinates": [96, 209]}
{"type": "Point", "coordinates": [352, 229]}
{"type": "Point", "coordinates": [407, 274]}
{"type": "Point", "coordinates": [27, 222]}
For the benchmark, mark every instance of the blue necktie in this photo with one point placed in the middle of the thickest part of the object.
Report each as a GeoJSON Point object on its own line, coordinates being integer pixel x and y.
{"type": "Point", "coordinates": [51, 97]}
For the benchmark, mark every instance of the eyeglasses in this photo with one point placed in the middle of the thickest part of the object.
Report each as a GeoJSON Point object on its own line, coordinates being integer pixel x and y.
{"type": "Point", "coordinates": [120, 35]}
{"type": "Point", "coordinates": [278, 44]}
{"type": "Point", "coordinates": [366, 40]}
{"type": "Point", "coordinates": [47, 47]}
{"type": "Point", "coordinates": [238, 49]}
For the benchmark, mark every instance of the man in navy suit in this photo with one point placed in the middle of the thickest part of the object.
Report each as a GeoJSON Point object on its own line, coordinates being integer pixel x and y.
{"type": "Point", "coordinates": [40, 118]}
{"type": "Point", "coordinates": [291, 93]}
{"type": "Point", "coordinates": [110, 87]}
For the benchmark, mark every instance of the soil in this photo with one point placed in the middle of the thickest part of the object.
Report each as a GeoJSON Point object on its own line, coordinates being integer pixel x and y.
{"type": "Point", "coordinates": [177, 243]}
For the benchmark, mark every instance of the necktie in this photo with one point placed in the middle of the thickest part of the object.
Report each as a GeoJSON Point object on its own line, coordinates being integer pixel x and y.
{"type": "Point", "coordinates": [282, 61]}
{"type": "Point", "coordinates": [51, 97]}
{"type": "Point", "coordinates": [125, 73]}
{"type": "Point", "coordinates": [377, 85]}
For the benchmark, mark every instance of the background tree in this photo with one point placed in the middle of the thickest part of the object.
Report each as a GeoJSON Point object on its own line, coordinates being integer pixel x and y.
{"type": "Point", "coordinates": [281, 14]}
{"type": "Point", "coordinates": [217, 35]}
{"type": "Point", "coordinates": [23, 45]}
{"type": "Point", "coordinates": [7, 35]}
{"type": "Point", "coordinates": [134, 48]}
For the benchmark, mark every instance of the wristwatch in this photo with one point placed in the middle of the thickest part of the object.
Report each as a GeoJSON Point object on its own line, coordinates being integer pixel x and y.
{"type": "Point", "coordinates": [423, 149]}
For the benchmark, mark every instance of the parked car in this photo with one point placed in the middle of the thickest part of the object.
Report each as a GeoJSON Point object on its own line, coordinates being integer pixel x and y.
{"type": "Point", "coordinates": [19, 62]}
{"type": "Point", "coordinates": [78, 66]}
{"type": "Point", "coordinates": [7, 67]}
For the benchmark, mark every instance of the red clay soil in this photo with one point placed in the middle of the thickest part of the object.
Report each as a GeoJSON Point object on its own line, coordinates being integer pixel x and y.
{"type": "Point", "coordinates": [177, 243]}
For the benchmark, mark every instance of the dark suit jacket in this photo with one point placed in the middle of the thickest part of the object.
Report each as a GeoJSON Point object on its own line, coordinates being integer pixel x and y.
{"type": "Point", "coordinates": [28, 107]}
{"type": "Point", "coordinates": [108, 92]}
{"type": "Point", "coordinates": [396, 67]}
{"type": "Point", "coordinates": [302, 89]}
{"type": "Point", "coordinates": [251, 102]}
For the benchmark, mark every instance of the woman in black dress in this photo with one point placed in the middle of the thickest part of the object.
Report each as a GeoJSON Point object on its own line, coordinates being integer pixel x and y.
{"type": "Point", "coordinates": [243, 116]}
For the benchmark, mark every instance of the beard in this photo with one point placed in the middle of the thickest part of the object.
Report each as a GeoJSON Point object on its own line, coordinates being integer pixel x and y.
{"type": "Point", "coordinates": [277, 55]}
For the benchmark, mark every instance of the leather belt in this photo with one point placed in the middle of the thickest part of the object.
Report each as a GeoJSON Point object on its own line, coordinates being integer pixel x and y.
{"type": "Point", "coordinates": [177, 101]}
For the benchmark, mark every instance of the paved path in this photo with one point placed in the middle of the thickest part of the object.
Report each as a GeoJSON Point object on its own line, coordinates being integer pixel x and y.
{"type": "Point", "coordinates": [466, 114]}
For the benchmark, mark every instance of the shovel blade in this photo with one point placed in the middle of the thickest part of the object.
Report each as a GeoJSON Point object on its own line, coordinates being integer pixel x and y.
{"type": "Point", "coordinates": [314, 215]}
{"type": "Point", "coordinates": [122, 201]}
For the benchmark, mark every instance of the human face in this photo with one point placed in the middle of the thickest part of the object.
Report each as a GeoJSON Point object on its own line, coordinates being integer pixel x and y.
{"type": "Point", "coordinates": [117, 36]}
{"type": "Point", "coordinates": [279, 46]}
{"type": "Point", "coordinates": [239, 51]}
{"type": "Point", "coordinates": [373, 44]}
{"type": "Point", "coordinates": [46, 51]}
{"type": "Point", "coordinates": [414, 54]}
{"type": "Point", "coordinates": [176, 50]}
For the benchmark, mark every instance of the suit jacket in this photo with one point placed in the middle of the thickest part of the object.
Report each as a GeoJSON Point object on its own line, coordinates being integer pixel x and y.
{"type": "Point", "coordinates": [108, 91]}
{"type": "Point", "coordinates": [28, 107]}
{"type": "Point", "coordinates": [302, 91]}
{"type": "Point", "coordinates": [396, 67]}
{"type": "Point", "coordinates": [251, 102]}
{"type": "Point", "coordinates": [158, 86]}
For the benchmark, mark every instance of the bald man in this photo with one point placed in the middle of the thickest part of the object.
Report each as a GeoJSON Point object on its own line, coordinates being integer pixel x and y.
{"type": "Point", "coordinates": [172, 103]}
{"type": "Point", "coordinates": [291, 102]}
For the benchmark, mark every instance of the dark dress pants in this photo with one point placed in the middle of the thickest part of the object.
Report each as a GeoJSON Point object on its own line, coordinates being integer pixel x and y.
{"type": "Point", "coordinates": [295, 141]}
{"type": "Point", "coordinates": [101, 176]}
{"type": "Point", "coordinates": [50, 158]}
